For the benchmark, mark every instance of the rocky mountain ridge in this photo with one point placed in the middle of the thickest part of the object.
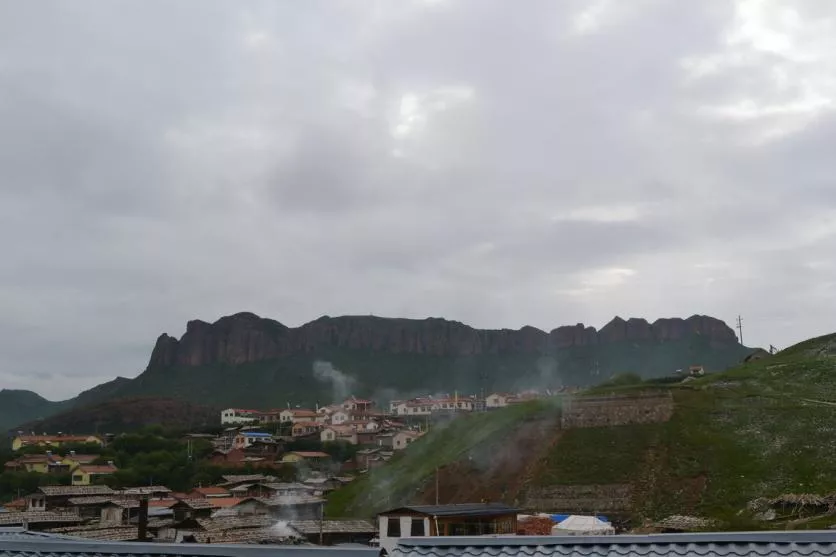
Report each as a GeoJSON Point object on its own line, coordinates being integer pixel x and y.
{"type": "Point", "coordinates": [247, 338]}
{"type": "Point", "coordinates": [247, 360]}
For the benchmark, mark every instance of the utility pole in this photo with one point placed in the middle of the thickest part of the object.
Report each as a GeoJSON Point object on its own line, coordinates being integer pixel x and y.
{"type": "Point", "coordinates": [740, 328]}
{"type": "Point", "coordinates": [436, 485]}
{"type": "Point", "coordinates": [321, 521]}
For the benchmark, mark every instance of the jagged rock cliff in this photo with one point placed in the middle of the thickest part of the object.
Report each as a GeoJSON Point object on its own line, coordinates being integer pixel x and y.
{"type": "Point", "coordinates": [246, 360]}
{"type": "Point", "coordinates": [246, 338]}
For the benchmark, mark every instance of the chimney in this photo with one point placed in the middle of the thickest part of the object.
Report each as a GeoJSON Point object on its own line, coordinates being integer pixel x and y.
{"type": "Point", "coordinates": [142, 519]}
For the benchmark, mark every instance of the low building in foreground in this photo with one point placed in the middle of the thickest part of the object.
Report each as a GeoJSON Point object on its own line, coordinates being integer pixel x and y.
{"type": "Point", "coordinates": [476, 519]}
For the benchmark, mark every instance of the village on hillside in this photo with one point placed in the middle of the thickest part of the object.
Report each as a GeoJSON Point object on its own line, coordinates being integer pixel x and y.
{"type": "Point", "coordinates": [281, 465]}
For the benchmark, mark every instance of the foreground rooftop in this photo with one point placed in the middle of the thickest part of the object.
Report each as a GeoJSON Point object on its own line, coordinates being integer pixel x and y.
{"type": "Point", "coordinates": [739, 544]}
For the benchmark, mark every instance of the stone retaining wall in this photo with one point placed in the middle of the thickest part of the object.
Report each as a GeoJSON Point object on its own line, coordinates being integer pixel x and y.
{"type": "Point", "coordinates": [617, 410]}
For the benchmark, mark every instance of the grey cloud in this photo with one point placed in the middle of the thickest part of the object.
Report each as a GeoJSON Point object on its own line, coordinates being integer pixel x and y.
{"type": "Point", "coordinates": [161, 162]}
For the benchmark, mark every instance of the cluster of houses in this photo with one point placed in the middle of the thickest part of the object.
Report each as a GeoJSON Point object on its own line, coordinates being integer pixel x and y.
{"type": "Point", "coordinates": [240, 509]}
{"type": "Point", "coordinates": [354, 410]}
{"type": "Point", "coordinates": [451, 404]}
{"type": "Point", "coordinates": [355, 422]}
{"type": "Point", "coordinates": [84, 469]}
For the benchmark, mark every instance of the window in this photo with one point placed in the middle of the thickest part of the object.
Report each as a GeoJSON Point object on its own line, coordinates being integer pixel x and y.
{"type": "Point", "coordinates": [78, 478]}
{"type": "Point", "coordinates": [393, 527]}
{"type": "Point", "coordinates": [417, 527]}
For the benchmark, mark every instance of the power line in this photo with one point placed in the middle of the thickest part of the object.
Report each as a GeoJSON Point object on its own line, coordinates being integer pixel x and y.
{"type": "Point", "coordinates": [740, 328]}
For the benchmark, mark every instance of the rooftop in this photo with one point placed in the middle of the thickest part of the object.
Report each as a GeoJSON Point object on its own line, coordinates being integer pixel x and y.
{"type": "Point", "coordinates": [54, 545]}
{"type": "Point", "coordinates": [25, 518]}
{"type": "Point", "coordinates": [75, 490]}
{"type": "Point", "coordinates": [96, 532]}
{"type": "Point", "coordinates": [145, 490]}
{"type": "Point", "coordinates": [308, 527]}
{"type": "Point", "coordinates": [211, 490]}
{"type": "Point", "coordinates": [233, 478]}
{"type": "Point", "coordinates": [97, 468]}
{"type": "Point", "coordinates": [773, 544]}
{"type": "Point", "coordinates": [466, 509]}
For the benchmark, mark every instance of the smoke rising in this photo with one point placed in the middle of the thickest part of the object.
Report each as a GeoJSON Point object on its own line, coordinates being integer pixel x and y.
{"type": "Point", "coordinates": [341, 383]}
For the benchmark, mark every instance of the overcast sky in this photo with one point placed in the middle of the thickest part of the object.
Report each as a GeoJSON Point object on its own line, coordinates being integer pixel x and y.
{"type": "Point", "coordinates": [501, 163]}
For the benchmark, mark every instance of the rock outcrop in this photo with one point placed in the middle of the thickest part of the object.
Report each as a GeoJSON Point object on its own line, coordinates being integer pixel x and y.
{"type": "Point", "coordinates": [246, 337]}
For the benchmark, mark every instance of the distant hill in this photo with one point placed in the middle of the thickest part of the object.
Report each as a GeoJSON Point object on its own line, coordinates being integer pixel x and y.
{"type": "Point", "coordinates": [720, 447]}
{"type": "Point", "coordinates": [246, 360]}
{"type": "Point", "coordinates": [18, 406]}
{"type": "Point", "coordinates": [127, 414]}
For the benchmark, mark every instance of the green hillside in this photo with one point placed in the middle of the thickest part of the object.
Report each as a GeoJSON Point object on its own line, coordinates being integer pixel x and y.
{"type": "Point", "coordinates": [762, 429]}
{"type": "Point", "coordinates": [17, 407]}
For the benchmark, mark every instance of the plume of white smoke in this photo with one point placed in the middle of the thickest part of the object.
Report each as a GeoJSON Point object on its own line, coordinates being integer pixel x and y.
{"type": "Point", "coordinates": [341, 383]}
{"type": "Point", "coordinates": [282, 529]}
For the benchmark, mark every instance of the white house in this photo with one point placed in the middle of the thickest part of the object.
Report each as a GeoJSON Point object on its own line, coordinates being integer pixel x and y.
{"type": "Point", "coordinates": [237, 416]}
{"type": "Point", "coordinates": [403, 439]}
{"type": "Point", "coordinates": [338, 433]}
{"type": "Point", "coordinates": [247, 438]}
{"type": "Point", "coordinates": [422, 408]}
{"type": "Point", "coordinates": [296, 415]}
{"type": "Point", "coordinates": [358, 405]}
{"type": "Point", "coordinates": [496, 400]}
{"type": "Point", "coordinates": [340, 417]}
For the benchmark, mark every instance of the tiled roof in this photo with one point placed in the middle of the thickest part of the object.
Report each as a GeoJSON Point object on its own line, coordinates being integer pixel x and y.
{"type": "Point", "coordinates": [211, 490]}
{"type": "Point", "coordinates": [243, 535]}
{"type": "Point", "coordinates": [308, 527]}
{"type": "Point", "coordinates": [82, 458]}
{"type": "Point", "coordinates": [224, 502]}
{"type": "Point", "coordinates": [303, 412]}
{"type": "Point", "coordinates": [19, 519]}
{"type": "Point", "coordinates": [244, 478]}
{"type": "Point", "coordinates": [290, 486]}
{"type": "Point", "coordinates": [756, 544]}
{"type": "Point", "coordinates": [95, 500]}
{"type": "Point", "coordinates": [75, 490]}
{"type": "Point", "coordinates": [97, 468]}
{"type": "Point", "coordinates": [54, 438]}
{"type": "Point", "coordinates": [290, 500]}
{"type": "Point", "coordinates": [311, 454]}
{"type": "Point", "coordinates": [112, 534]}
{"type": "Point", "coordinates": [145, 490]}
{"type": "Point", "coordinates": [232, 523]}
{"type": "Point", "coordinates": [197, 504]}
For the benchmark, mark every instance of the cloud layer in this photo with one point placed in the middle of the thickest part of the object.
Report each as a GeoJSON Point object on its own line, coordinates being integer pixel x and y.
{"type": "Point", "coordinates": [497, 163]}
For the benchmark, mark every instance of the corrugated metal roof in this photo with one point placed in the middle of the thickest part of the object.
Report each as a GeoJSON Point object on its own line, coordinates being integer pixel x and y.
{"type": "Point", "coordinates": [467, 509]}
{"type": "Point", "coordinates": [84, 548]}
{"type": "Point", "coordinates": [772, 544]}
{"type": "Point", "coordinates": [15, 533]}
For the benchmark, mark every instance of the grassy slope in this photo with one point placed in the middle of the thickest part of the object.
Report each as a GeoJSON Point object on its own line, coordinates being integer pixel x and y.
{"type": "Point", "coordinates": [735, 436]}
{"type": "Point", "coordinates": [399, 480]}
